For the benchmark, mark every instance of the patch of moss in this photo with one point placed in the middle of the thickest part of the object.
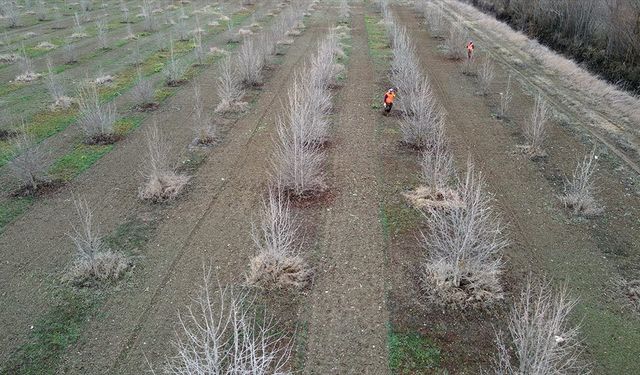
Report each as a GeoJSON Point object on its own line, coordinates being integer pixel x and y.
{"type": "Point", "coordinates": [77, 161]}
{"type": "Point", "coordinates": [411, 353]}
{"type": "Point", "coordinates": [46, 124]}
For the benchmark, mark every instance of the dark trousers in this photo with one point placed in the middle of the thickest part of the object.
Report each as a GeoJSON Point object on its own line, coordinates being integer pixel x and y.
{"type": "Point", "coordinates": [387, 107]}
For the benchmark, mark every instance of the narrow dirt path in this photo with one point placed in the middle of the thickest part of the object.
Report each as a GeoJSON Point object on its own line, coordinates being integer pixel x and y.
{"type": "Point", "coordinates": [348, 314]}
{"type": "Point", "coordinates": [542, 237]}
{"type": "Point", "coordinates": [211, 225]}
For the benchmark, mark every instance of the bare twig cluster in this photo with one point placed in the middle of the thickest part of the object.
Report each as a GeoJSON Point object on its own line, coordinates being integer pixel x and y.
{"type": "Point", "coordinates": [579, 190]}
{"type": "Point", "coordinates": [94, 261]}
{"type": "Point", "coordinates": [162, 181]}
{"type": "Point", "coordinates": [486, 73]}
{"type": "Point", "coordinates": [543, 340]}
{"type": "Point", "coordinates": [223, 333]}
{"type": "Point", "coordinates": [143, 94]}
{"type": "Point", "coordinates": [455, 40]}
{"type": "Point", "coordinates": [174, 69]}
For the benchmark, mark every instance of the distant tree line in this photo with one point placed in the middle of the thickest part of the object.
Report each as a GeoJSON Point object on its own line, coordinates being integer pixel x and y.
{"type": "Point", "coordinates": [604, 35]}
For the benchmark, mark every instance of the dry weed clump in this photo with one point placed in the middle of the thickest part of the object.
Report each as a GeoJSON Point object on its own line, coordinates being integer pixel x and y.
{"type": "Point", "coordinates": [97, 119]}
{"type": "Point", "coordinates": [162, 182]}
{"type": "Point", "coordinates": [543, 340]}
{"type": "Point", "coordinates": [463, 249]}
{"type": "Point", "coordinates": [469, 67]}
{"type": "Point", "coordinates": [579, 190]}
{"type": "Point", "coordinates": [224, 332]}
{"type": "Point", "coordinates": [8, 58]}
{"type": "Point", "coordinates": [535, 129]}
{"type": "Point", "coordinates": [630, 290]}
{"type": "Point", "coordinates": [94, 262]}
{"type": "Point", "coordinates": [229, 88]}
{"type": "Point", "coordinates": [277, 263]}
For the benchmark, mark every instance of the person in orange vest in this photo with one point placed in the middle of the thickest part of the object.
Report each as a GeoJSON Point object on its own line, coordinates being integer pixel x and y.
{"type": "Point", "coordinates": [470, 48]}
{"type": "Point", "coordinates": [389, 96]}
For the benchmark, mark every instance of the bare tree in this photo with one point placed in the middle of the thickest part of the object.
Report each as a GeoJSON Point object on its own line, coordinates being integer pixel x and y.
{"type": "Point", "coordinates": [535, 128]}
{"type": "Point", "coordinates": [60, 100]}
{"type": "Point", "coordinates": [205, 129]}
{"type": "Point", "coordinates": [26, 66]}
{"type": "Point", "coordinates": [143, 94]}
{"type": "Point", "coordinates": [147, 15]}
{"type": "Point", "coordinates": [10, 12]}
{"type": "Point", "coordinates": [70, 52]}
{"type": "Point", "coordinates": [94, 261]}
{"type": "Point", "coordinates": [101, 29]}
{"type": "Point", "coordinates": [174, 69]}
{"type": "Point", "coordinates": [579, 190]}
{"type": "Point", "coordinates": [277, 263]}
{"type": "Point", "coordinates": [297, 165]}
{"type": "Point", "coordinates": [162, 182]}
{"type": "Point", "coordinates": [29, 162]}
{"type": "Point", "coordinates": [463, 249]}
{"type": "Point", "coordinates": [222, 333]}
{"type": "Point", "coordinates": [422, 116]}
{"type": "Point", "coordinates": [97, 119]}
{"type": "Point", "coordinates": [229, 88]}
{"type": "Point", "coordinates": [250, 63]}
{"type": "Point", "coordinates": [455, 41]}
{"type": "Point", "coordinates": [505, 99]}
{"type": "Point", "coordinates": [544, 341]}
{"type": "Point", "coordinates": [486, 73]}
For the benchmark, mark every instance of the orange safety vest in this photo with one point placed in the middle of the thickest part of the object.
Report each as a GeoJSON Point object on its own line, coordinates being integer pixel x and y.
{"type": "Point", "coordinates": [470, 46]}
{"type": "Point", "coordinates": [388, 97]}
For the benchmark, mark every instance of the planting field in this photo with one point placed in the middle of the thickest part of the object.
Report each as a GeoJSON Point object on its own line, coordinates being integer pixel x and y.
{"type": "Point", "coordinates": [197, 187]}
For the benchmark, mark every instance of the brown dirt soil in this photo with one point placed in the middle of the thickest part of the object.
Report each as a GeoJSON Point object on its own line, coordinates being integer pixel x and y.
{"type": "Point", "coordinates": [211, 225]}
{"type": "Point", "coordinates": [544, 238]}
{"type": "Point", "coordinates": [347, 308]}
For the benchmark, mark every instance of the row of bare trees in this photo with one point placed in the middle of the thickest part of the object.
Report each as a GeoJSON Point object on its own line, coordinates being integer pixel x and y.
{"type": "Point", "coordinates": [464, 239]}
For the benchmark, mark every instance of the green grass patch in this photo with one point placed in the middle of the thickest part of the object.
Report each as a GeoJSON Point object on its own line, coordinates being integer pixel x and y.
{"type": "Point", "coordinates": [59, 328]}
{"type": "Point", "coordinates": [125, 125]}
{"type": "Point", "coordinates": [379, 48]}
{"type": "Point", "coordinates": [46, 124]}
{"type": "Point", "coordinates": [11, 208]}
{"type": "Point", "coordinates": [400, 218]}
{"type": "Point", "coordinates": [411, 353]}
{"type": "Point", "coordinates": [77, 161]}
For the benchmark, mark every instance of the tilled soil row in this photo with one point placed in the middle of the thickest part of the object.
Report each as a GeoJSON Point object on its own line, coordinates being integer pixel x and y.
{"type": "Point", "coordinates": [348, 313]}
{"type": "Point", "coordinates": [543, 239]}
{"type": "Point", "coordinates": [210, 226]}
